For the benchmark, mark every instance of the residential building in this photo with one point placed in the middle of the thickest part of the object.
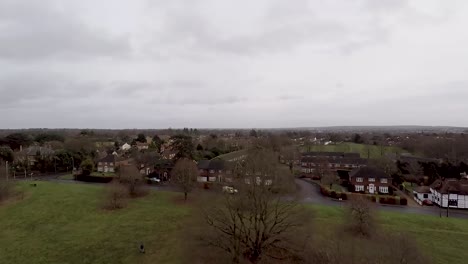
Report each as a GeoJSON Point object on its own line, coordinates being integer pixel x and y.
{"type": "Point", "coordinates": [142, 146]}
{"type": "Point", "coordinates": [107, 164]}
{"type": "Point", "coordinates": [168, 154]}
{"type": "Point", "coordinates": [313, 162]}
{"type": "Point", "coordinates": [213, 171]}
{"type": "Point", "coordinates": [450, 192]}
{"type": "Point", "coordinates": [125, 147]}
{"type": "Point", "coordinates": [31, 154]}
{"type": "Point", "coordinates": [163, 169]}
{"type": "Point", "coordinates": [370, 180]}
{"type": "Point", "coordinates": [422, 194]}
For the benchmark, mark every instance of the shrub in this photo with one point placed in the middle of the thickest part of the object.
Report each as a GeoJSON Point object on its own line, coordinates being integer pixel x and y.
{"type": "Point", "coordinates": [344, 196]}
{"type": "Point", "coordinates": [333, 195]}
{"type": "Point", "coordinates": [403, 201]}
{"type": "Point", "coordinates": [115, 198]}
{"type": "Point", "coordinates": [391, 200]}
{"type": "Point", "coordinates": [6, 190]}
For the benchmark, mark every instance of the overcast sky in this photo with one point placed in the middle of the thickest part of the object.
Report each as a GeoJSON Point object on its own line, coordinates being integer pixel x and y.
{"type": "Point", "coordinates": [242, 63]}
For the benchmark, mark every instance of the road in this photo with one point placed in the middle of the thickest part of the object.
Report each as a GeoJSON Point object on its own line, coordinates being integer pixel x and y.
{"type": "Point", "coordinates": [310, 193]}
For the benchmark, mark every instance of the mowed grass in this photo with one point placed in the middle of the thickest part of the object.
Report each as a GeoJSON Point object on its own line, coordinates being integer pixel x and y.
{"type": "Point", "coordinates": [64, 223]}
{"type": "Point", "coordinates": [366, 151]}
{"type": "Point", "coordinates": [444, 240]}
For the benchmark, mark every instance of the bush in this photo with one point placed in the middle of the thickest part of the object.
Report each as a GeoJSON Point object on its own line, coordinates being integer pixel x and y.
{"type": "Point", "coordinates": [115, 197]}
{"type": "Point", "coordinates": [6, 190]}
{"type": "Point", "coordinates": [333, 195]}
{"type": "Point", "coordinates": [403, 201]}
{"type": "Point", "coordinates": [344, 196]}
{"type": "Point", "coordinates": [88, 178]}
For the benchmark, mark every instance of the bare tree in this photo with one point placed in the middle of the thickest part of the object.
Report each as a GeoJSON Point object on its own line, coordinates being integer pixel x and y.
{"type": "Point", "coordinates": [131, 178]}
{"type": "Point", "coordinates": [185, 173]}
{"type": "Point", "coordinates": [116, 195]}
{"type": "Point", "coordinates": [360, 216]}
{"type": "Point", "coordinates": [257, 224]}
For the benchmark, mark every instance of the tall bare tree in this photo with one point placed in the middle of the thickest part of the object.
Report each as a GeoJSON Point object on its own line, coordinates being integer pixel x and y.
{"type": "Point", "coordinates": [185, 174]}
{"type": "Point", "coordinates": [360, 216]}
{"type": "Point", "coordinates": [257, 223]}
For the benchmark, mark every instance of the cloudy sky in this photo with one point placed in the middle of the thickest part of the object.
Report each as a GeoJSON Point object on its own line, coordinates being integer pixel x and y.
{"type": "Point", "coordinates": [239, 63]}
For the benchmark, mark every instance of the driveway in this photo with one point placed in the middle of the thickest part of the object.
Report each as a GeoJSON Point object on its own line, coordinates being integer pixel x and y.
{"type": "Point", "coordinates": [310, 193]}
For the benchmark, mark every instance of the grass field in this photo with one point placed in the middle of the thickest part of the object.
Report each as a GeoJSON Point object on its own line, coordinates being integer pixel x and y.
{"type": "Point", "coordinates": [444, 240]}
{"type": "Point", "coordinates": [63, 223]}
{"type": "Point", "coordinates": [66, 177]}
{"type": "Point", "coordinates": [366, 151]}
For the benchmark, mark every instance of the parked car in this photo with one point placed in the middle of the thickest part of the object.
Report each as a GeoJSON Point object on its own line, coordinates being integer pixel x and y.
{"type": "Point", "coordinates": [229, 189]}
{"type": "Point", "coordinates": [153, 180]}
{"type": "Point", "coordinates": [427, 202]}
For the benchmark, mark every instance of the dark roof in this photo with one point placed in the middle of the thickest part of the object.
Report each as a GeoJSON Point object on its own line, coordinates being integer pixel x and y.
{"type": "Point", "coordinates": [345, 160]}
{"type": "Point", "coordinates": [368, 172]}
{"type": "Point", "coordinates": [331, 154]}
{"type": "Point", "coordinates": [451, 186]}
{"type": "Point", "coordinates": [215, 164]}
{"type": "Point", "coordinates": [108, 158]}
{"type": "Point", "coordinates": [422, 189]}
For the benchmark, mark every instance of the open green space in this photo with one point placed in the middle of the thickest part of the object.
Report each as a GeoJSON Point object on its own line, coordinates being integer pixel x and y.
{"type": "Point", "coordinates": [64, 223]}
{"type": "Point", "coordinates": [232, 155]}
{"type": "Point", "coordinates": [443, 239]}
{"type": "Point", "coordinates": [366, 151]}
{"type": "Point", "coordinates": [66, 177]}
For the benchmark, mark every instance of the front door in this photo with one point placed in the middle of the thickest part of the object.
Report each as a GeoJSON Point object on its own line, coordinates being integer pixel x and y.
{"type": "Point", "coordinates": [371, 188]}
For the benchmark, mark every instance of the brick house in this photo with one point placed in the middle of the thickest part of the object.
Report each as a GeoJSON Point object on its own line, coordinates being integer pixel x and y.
{"type": "Point", "coordinates": [316, 162]}
{"type": "Point", "coordinates": [214, 171]}
{"type": "Point", "coordinates": [369, 180]}
{"type": "Point", "coordinates": [107, 164]}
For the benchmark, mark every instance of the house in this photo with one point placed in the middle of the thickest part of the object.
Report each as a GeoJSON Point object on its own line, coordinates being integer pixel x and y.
{"type": "Point", "coordinates": [213, 171]}
{"type": "Point", "coordinates": [107, 164]}
{"type": "Point", "coordinates": [370, 180]}
{"type": "Point", "coordinates": [146, 169]}
{"type": "Point", "coordinates": [31, 154]}
{"type": "Point", "coordinates": [450, 192]}
{"type": "Point", "coordinates": [330, 161]}
{"type": "Point", "coordinates": [125, 147]}
{"type": "Point", "coordinates": [141, 146]}
{"type": "Point", "coordinates": [422, 194]}
{"type": "Point", "coordinates": [168, 154]}
{"type": "Point", "coordinates": [163, 169]}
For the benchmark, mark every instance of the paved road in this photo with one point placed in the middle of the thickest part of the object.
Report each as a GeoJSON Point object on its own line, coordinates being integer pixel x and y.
{"type": "Point", "coordinates": [310, 193]}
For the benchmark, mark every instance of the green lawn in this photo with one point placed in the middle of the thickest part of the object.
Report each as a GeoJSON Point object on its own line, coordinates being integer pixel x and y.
{"type": "Point", "coordinates": [66, 177]}
{"type": "Point", "coordinates": [444, 240]}
{"type": "Point", "coordinates": [63, 223]}
{"type": "Point", "coordinates": [371, 151]}
{"type": "Point", "coordinates": [232, 155]}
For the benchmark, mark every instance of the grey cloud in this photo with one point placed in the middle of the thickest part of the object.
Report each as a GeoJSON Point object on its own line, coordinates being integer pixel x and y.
{"type": "Point", "coordinates": [37, 30]}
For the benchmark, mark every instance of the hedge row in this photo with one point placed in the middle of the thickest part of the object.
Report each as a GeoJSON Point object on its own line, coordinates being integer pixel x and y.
{"type": "Point", "coordinates": [395, 200]}
{"type": "Point", "coordinates": [88, 178]}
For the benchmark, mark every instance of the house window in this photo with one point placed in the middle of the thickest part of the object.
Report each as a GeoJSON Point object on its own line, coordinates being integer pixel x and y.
{"type": "Point", "coordinates": [359, 179]}
{"type": "Point", "coordinates": [211, 171]}
{"type": "Point", "coordinates": [453, 202]}
{"type": "Point", "coordinates": [383, 189]}
{"type": "Point", "coordinates": [426, 195]}
{"type": "Point", "coordinates": [383, 180]}
{"type": "Point", "coordinates": [100, 163]}
{"type": "Point", "coordinates": [220, 171]}
{"type": "Point", "coordinates": [372, 179]}
{"type": "Point", "coordinates": [359, 188]}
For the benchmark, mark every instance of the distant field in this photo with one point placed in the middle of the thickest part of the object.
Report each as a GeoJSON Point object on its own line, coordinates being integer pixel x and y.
{"type": "Point", "coordinates": [366, 151]}
{"type": "Point", "coordinates": [63, 223]}
{"type": "Point", "coordinates": [232, 155]}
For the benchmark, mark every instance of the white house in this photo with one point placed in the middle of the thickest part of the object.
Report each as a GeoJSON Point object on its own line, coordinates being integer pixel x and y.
{"type": "Point", "coordinates": [450, 192]}
{"type": "Point", "coordinates": [422, 193]}
{"type": "Point", "coordinates": [125, 147]}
